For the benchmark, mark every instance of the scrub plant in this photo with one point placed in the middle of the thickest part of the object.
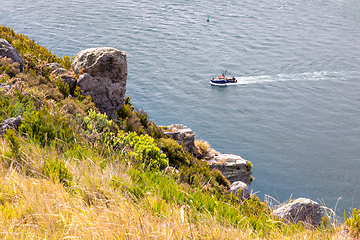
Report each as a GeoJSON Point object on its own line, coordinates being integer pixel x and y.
{"type": "Point", "coordinates": [146, 153]}
{"type": "Point", "coordinates": [202, 146]}
{"type": "Point", "coordinates": [96, 122]}
{"type": "Point", "coordinates": [353, 222]}
{"type": "Point", "coordinates": [47, 126]}
{"type": "Point", "coordinates": [13, 143]}
{"type": "Point", "coordinates": [56, 170]}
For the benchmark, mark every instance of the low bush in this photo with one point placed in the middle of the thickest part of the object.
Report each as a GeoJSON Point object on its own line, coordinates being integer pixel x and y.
{"type": "Point", "coordinates": [198, 174]}
{"type": "Point", "coordinates": [174, 152]}
{"type": "Point", "coordinates": [353, 222]}
{"type": "Point", "coordinates": [46, 126]}
{"type": "Point", "coordinates": [13, 143]}
{"type": "Point", "coordinates": [96, 122]}
{"type": "Point", "coordinates": [63, 87]}
{"type": "Point", "coordinates": [136, 120]}
{"type": "Point", "coordinates": [146, 153]}
{"type": "Point", "coordinates": [203, 147]}
{"type": "Point", "coordinates": [8, 67]}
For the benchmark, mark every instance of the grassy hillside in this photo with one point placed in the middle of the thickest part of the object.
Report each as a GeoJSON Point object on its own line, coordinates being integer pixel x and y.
{"type": "Point", "coordinates": [70, 172]}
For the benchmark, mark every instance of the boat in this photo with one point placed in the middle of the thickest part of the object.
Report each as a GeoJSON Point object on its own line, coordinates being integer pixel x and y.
{"type": "Point", "coordinates": [222, 80]}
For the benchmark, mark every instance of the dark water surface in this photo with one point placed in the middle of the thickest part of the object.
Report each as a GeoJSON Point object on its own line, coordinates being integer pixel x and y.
{"type": "Point", "coordinates": [295, 112]}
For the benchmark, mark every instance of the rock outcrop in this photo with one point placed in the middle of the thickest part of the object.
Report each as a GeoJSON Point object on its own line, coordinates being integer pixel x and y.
{"type": "Point", "coordinates": [13, 123]}
{"type": "Point", "coordinates": [66, 76]}
{"type": "Point", "coordinates": [183, 135]}
{"type": "Point", "coordinates": [233, 167]}
{"type": "Point", "coordinates": [7, 50]}
{"type": "Point", "coordinates": [53, 66]}
{"type": "Point", "coordinates": [240, 188]}
{"type": "Point", "coordinates": [300, 210]}
{"type": "Point", "coordinates": [102, 75]}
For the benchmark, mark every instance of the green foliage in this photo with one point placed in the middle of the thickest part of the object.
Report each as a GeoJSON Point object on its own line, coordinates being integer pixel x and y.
{"type": "Point", "coordinates": [249, 214]}
{"type": "Point", "coordinates": [8, 67]}
{"type": "Point", "coordinates": [136, 120]}
{"type": "Point", "coordinates": [63, 87]}
{"type": "Point", "coordinates": [46, 126]}
{"type": "Point", "coordinates": [13, 143]}
{"type": "Point", "coordinates": [5, 103]}
{"type": "Point", "coordinates": [96, 122]}
{"type": "Point", "coordinates": [198, 174]}
{"type": "Point", "coordinates": [19, 109]}
{"type": "Point", "coordinates": [353, 222]}
{"type": "Point", "coordinates": [220, 178]}
{"type": "Point", "coordinates": [145, 152]}
{"type": "Point", "coordinates": [56, 170]}
{"type": "Point", "coordinates": [66, 62]}
{"type": "Point", "coordinates": [126, 110]}
{"type": "Point", "coordinates": [34, 55]}
{"type": "Point", "coordinates": [249, 165]}
{"type": "Point", "coordinates": [114, 141]}
{"type": "Point", "coordinates": [78, 94]}
{"type": "Point", "coordinates": [174, 152]}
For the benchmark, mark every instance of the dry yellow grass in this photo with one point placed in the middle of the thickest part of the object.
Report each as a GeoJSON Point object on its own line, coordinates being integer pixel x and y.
{"type": "Point", "coordinates": [32, 207]}
{"type": "Point", "coordinates": [202, 146]}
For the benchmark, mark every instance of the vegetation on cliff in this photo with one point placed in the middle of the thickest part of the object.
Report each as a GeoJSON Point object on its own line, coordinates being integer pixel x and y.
{"type": "Point", "coordinates": [70, 172]}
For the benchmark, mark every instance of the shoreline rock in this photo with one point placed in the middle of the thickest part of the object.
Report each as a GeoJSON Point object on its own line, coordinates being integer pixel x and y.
{"type": "Point", "coordinates": [300, 210]}
{"type": "Point", "coordinates": [233, 167]}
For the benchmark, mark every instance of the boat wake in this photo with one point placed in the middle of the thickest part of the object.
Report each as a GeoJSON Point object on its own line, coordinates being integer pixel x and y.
{"type": "Point", "coordinates": [311, 76]}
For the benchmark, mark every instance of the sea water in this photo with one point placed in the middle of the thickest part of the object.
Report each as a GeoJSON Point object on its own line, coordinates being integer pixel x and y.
{"type": "Point", "coordinates": [295, 111]}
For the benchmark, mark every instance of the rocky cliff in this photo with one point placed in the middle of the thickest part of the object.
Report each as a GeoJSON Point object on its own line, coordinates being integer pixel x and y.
{"type": "Point", "coordinates": [233, 167]}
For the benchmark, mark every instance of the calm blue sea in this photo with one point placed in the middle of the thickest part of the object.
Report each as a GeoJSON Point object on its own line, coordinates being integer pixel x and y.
{"type": "Point", "coordinates": [295, 112]}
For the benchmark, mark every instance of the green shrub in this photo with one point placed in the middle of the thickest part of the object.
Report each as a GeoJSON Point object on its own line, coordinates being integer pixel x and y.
{"type": "Point", "coordinates": [126, 110]}
{"type": "Point", "coordinates": [63, 87]}
{"type": "Point", "coordinates": [79, 94]}
{"type": "Point", "coordinates": [45, 126]}
{"type": "Point", "coordinates": [353, 222]}
{"type": "Point", "coordinates": [220, 178]}
{"type": "Point", "coordinates": [13, 142]}
{"type": "Point", "coordinates": [9, 67]}
{"type": "Point", "coordinates": [249, 165]}
{"type": "Point", "coordinates": [145, 152]}
{"type": "Point", "coordinates": [198, 174]}
{"type": "Point", "coordinates": [5, 103]}
{"type": "Point", "coordinates": [136, 120]}
{"type": "Point", "coordinates": [96, 122]}
{"type": "Point", "coordinates": [114, 141]}
{"type": "Point", "coordinates": [56, 170]}
{"type": "Point", "coordinates": [19, 109]}
{"type": "Point", "coordinates": [174, 152]}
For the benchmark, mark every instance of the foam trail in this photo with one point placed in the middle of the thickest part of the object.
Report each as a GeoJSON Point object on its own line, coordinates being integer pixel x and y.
{"type": "Point", "coordinates": [310, 76]}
